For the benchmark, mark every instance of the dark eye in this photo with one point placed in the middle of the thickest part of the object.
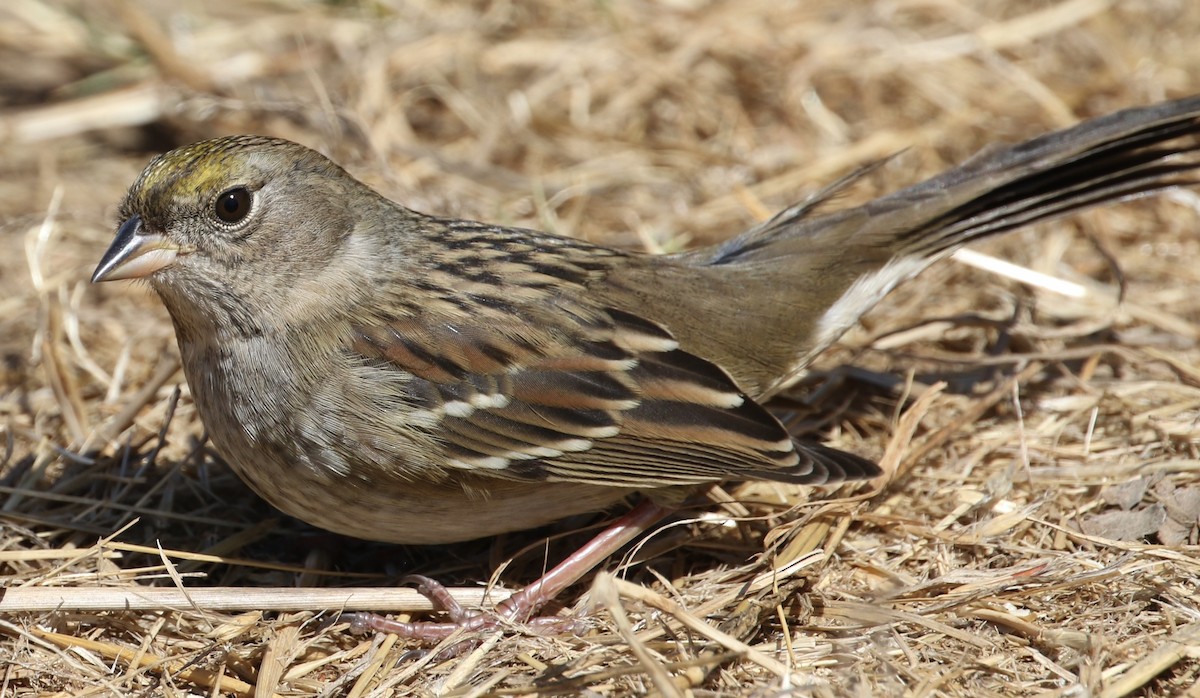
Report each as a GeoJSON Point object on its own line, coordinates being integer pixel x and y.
{"type": "Point", "coordinates": [233, 205]}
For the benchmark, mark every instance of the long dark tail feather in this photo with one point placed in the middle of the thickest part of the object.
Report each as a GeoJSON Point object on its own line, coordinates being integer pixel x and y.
{"type": "Point", "coordinates": [1107, 159]}
{"type": "Point", "coordinates": [1110, 158]}
{"type": "Point", "coordinates": [812, 274]}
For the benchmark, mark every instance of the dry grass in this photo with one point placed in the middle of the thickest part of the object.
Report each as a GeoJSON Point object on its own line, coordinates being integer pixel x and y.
{"type": "Point", "coordinates": [1039, 537]}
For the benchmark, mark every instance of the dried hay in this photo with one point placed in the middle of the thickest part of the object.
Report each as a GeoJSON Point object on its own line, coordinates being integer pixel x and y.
{"type": "Point", "coordinates": [1038, 537]}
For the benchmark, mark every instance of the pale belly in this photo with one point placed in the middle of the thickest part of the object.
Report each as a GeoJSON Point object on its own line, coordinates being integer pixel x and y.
{"type": "Point", "coordinates": [305, 462]}
{"type": "Point", "coordinates": [415, 514]}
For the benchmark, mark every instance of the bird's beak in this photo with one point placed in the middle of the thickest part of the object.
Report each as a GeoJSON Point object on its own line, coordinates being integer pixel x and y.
{"type": "Point", "coordinates": [134, 254]}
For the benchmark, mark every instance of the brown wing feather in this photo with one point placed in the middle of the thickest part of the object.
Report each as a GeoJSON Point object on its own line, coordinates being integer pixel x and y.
{"type": "Point", "coordinates": [620, 405]}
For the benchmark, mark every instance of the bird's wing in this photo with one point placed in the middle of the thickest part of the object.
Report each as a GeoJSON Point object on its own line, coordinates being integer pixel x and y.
{"type": "Point", "coordinates": [608, 398]}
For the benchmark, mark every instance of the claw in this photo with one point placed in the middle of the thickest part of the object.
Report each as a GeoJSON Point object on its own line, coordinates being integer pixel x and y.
{"type": "Point", "coordinates": [518, 609]}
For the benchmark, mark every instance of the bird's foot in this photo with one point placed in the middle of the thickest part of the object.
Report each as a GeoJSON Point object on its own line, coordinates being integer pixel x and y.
{"type": "Point", "coordinates": [516, 610]}
{"type": "Point", "coordinates": [519, 609]}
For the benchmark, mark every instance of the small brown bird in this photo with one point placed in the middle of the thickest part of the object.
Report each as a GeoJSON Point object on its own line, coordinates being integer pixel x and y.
{"type": "Point", "coordinates": [400, 377]}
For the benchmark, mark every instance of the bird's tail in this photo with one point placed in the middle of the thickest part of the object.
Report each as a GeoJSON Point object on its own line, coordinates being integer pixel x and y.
{"type": "Point", "coordinates": [824, 271]}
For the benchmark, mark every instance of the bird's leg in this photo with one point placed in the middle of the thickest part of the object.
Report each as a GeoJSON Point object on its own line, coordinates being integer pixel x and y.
{"type": "Point", "coordinates": [520, 607]}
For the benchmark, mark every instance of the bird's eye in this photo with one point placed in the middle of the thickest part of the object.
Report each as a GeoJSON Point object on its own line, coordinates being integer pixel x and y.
{"type": "Point", "coordinates": [232, 206]}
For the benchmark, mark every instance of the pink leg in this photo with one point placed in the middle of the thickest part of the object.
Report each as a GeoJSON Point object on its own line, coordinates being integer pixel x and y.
{"type": "Point", "coordinates": [521, 606]}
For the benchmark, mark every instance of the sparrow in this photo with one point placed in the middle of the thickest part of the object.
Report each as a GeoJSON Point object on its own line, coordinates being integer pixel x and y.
{"type": "Point", "coordinates": [408, 378]}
